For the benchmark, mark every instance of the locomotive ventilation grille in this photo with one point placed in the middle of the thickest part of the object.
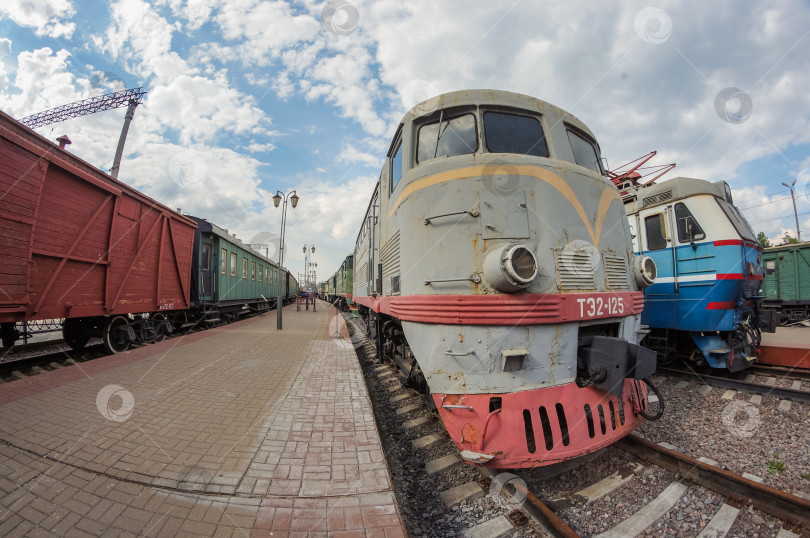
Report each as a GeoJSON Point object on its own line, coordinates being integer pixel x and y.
{"type": "Point", "coordinates": [389, 258]}
{"type": "Point", "coordinates": [658, 198]}
{"type": "Point", "coordinates": [616, 272]}
{"type": "Point", "coordinates": [361, 276]}
{"type": "Point", "coordinates": [576, 270]}
{"type": "Point", "coordinates": [548, 427]}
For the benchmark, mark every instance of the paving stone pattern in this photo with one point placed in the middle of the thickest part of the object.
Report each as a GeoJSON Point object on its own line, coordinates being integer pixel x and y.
{"type": "Point", "coordinates": [240, 430]}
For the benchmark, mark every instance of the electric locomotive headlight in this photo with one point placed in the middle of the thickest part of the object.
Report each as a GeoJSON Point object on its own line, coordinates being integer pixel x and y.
{"type": "Point", "coordinates": [645, 271]}
{"type": "Point", "coordinates": [510, 268]}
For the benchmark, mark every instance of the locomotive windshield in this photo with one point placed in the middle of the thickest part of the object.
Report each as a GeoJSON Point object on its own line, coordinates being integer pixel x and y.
{"type": "Point", "coordinates": [739, 222]}
{"type": "Point", "coordinates": [688, 227]}
{"type": "Point", "coordinates": [447, 137]}
{"type": "Point", "coordinates": [509, 133]}
{"type": "Point", "coordinates": [586, 153]}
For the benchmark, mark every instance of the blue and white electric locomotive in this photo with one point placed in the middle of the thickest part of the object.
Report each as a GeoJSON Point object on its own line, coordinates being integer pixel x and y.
{"type": "Point", "coordinates": [704, 302]}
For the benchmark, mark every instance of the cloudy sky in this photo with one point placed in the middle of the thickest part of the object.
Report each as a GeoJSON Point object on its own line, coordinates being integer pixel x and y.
{"type": "Point", "coordinates": [249, 97]}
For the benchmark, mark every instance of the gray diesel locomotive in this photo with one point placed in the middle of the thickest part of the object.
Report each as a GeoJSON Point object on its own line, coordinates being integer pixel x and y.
{"type": "Point", "coordinates": [495, 268]}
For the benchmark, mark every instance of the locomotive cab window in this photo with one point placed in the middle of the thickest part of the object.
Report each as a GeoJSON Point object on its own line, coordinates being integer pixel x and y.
{"type": "Point", "coordinates": [655, 226]}
{"type": "Point", "coordinates": [510, 133]}
{"type": "Point", "coordinates": [586, 152]}
{"type": "Point", "coordinates": [688, 228]}
{"type": "Point", "coordinates": [223, 261]}
{"type": "Point", "coordinates": [395, 173]}
{"type": "Point", "coordinates": [447, 137]}
{"type": "Point", "coordinates": [233, 263]}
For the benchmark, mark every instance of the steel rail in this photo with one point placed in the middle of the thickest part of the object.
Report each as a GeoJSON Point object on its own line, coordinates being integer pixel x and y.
{"type": "Point", "coordinates": [534, 507]}
{"type": "Point", "coordinates": [784, 506]}
{"type": "Point", "coordinates": [779, 371]}
{"type": "Point", "coordinates": [754, 388]}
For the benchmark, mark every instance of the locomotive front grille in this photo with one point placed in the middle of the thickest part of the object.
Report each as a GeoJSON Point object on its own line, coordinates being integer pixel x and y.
{"type": "Point", "coordinates": [576, 270]}
{"type": "Point", "coordinates": [616, 273]}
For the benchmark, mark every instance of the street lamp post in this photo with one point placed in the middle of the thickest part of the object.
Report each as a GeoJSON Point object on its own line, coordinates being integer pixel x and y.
{"type": "Point", "coordinates": [279, 196]}
{"type": "Point", "coordinates": [795, 214]}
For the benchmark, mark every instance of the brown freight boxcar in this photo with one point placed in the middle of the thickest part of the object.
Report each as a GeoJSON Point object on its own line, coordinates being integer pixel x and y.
{"type": "Point", "coordinates": [80, 245]}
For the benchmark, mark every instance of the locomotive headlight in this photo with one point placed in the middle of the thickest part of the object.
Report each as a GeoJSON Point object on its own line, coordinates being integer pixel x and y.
{"type": "Point", "coordinates": [645, 271]}
{"type": "Point", "coordinates": [510, 268]}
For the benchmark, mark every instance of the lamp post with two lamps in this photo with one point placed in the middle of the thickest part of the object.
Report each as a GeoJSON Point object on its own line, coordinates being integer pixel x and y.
{"type": "Point", "coordinates": [279, 196]}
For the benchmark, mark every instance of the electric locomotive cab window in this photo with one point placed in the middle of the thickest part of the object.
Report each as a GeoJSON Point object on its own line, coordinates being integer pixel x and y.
{"type": "Point", "coordinates": [510, 133]}
{"type": "Point", "coordinates": [655, 227]}
{"type": "Point", "coordinates": [736, 218]}
{"type": "Point", "coordinates": [586, 152]}
{"type": "Point", "coordinates": [447, 137]}
{"type": "Point", "coordinates": [223, 262]}
{"type": "Point", "coordinates": [688, 228]}
{"type": "Point", "coordinates": [233, 263]}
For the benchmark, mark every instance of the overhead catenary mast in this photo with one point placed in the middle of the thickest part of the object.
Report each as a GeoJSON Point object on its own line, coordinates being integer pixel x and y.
{"type": "Point", "coordinates": [130, 98]}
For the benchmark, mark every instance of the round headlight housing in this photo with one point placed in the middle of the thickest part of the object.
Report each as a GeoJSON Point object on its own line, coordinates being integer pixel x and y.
{"type": "Point", "coordinates": [645, 271]}
{"type": "Point", "coordinates": [510, 268]}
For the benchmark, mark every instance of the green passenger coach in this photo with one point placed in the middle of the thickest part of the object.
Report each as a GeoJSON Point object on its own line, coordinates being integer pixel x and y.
{"type": "Point", "coordinates": [232, 278]}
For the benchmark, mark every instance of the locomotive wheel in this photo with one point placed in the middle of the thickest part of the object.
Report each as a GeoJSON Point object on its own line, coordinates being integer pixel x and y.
{"type": "Point", "coordinates": [8, 332]}
{"type": "Point", "coordinates": [74, 334]}
{"type": "Point", "coordinates": [160, 331]}
{"type": "Point", "coordinates": [114, 341]}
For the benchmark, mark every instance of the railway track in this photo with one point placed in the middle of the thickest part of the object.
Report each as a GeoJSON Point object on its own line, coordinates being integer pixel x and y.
{"type": "Point", "coordinates": [33, 359]}
{"type": "Point", "coordinates": [518, 496]}
{"type": "Point", "coordinates": [767, 388]}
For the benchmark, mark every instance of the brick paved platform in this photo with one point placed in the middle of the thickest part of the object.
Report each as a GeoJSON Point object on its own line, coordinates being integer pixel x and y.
{"type": "Point", "coordinates": [237, 431]}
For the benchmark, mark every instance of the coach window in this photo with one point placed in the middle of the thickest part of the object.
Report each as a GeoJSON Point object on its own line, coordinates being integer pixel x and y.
{"type": "Point", "coordinates": [253, 271]}
{"type": "Point", "coordinates": [586, 152]}
{"type": "Point", "coordinates": [233, 263]}
{"type": "Point", "coordinates": [688, 228]}
{"type": "Point", "coordinates": [261, 273]}
{"type": "Point", "coordinates": [244, 267]}
{"type": "Point", "coordinates": [510, 133]}
{"type": "Point", "coordinates": [656, 232]}
{"type": "Point", "coordinates": [223, 262]}
{"type": "Point", "coordinates": [449, 136]}
{"type": "Point", "coordinates": [396, 167]}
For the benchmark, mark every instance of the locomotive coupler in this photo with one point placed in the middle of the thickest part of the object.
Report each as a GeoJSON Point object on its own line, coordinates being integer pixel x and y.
{"type": "Point", "coordinates": [609, 361]}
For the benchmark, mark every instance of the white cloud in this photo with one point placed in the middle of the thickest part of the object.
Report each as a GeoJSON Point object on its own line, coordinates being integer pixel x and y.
{"type": "Point", "coordinates": [350, 155]}
{"type": "Point", "coordinates": [45, 16]}
{"type": "Point", "coordinates": [43, 77]}
{"type": "Point", "coordinates": [200, 108]}
{"type": "Point", "coordinates": [266, 28]}
{"type": "Point", "coordinates": [256, 147]}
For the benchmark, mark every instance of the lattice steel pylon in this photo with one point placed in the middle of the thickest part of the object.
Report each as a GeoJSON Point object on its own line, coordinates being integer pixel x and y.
{"type": "Point", "coordinates": [130, 98]}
